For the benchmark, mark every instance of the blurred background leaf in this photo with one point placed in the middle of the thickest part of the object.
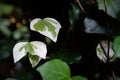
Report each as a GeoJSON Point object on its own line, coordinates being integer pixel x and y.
{"type": "Point", "coordinates": [13, 28]}
{"type": "Point", "coordinates": [4, 23]}
{"type": "Point", "coordinates": [6, 47]}
{"type": "Point", "coordinates": [74, 14]}
{"type": "Point", "coordinates": [113, 7]}
{"type": "Point", "coordinates": [91, 26]}
{"type": "Point", "coordinates": [116, 47]}
{"type": "Point", "coordinates": [5, 9]}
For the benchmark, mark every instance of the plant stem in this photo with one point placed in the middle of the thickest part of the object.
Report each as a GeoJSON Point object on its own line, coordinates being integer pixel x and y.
{"type": "Point", "coordinates": [82, 9]}
{"type": "Point", "coordinates": [108, 33]}
{"type": "Point", "coordinates": [103, 49]}
{"type": "Point", "coordinates": [113, 74]}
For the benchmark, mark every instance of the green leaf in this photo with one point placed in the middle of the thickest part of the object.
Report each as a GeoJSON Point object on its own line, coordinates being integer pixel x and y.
{"type": "Point", "coordinates": [55, 70]}
{"type": "Point", "coordinates": [74, 14]}
{"type": "Point", "coordinates": [34, 59]}
{"type": "Point", "coordinates": [76, 11]}
{"type": "Point", "coordinates": [79, 78]}
{"type": "Point", "coordinates": [113, 7]}
{"type": "Point", "coordinates": [4, 23]}
{"type": "Point", "coordinates": [116, 46]}
{"type": "Point", "coordinates": [5, 9]}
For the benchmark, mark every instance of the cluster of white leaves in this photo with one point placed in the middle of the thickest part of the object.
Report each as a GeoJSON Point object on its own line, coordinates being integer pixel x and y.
{"type": "Point", "coordinates": [37, 50]}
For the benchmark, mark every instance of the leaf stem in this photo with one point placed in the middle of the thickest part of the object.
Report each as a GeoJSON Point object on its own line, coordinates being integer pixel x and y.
{"type": "Point", "coordinates": [103, 48]}
{"type": "Point", "coordinates": [108, 33]}
{"type": "Point", "coordinates": [113, 74]}
{"type": "Point", "coordinates": [82, 9]}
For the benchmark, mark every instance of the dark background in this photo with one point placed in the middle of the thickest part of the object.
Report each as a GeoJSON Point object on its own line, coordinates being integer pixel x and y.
{"type": "Point", "coordinates": [89, 66]}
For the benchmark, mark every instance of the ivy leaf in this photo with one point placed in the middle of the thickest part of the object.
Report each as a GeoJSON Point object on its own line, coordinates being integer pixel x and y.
{"type": "Point", "coordinates": [48, 27]}
{"type": "Point", "coordinates": [54, 69]}
{"type": "Point", "coordinates": [79, 78]}
{"type": "Point", "coordinates": [4, 23]}
{"type": "Point", "coordinates": [116, 46]}
{"type": "Point", "coordinates": [39, 53]}
{"type": "Point", "coordinates": [36, 50]}
{"type": "Point", "coordinates": [102, 51]}
{"type": "Point", "coordinates": [113, 7]}
{"type": "Point", "coordinates": [18, 51]}
{"type": "Point", "coordinates": [34, 59]}
{"type": "Point", "coordinates": [40, 49]}
{"type": "Point", "coordinates": [91, 26]}
{"type": "Point", "coordinates": [74, 14]}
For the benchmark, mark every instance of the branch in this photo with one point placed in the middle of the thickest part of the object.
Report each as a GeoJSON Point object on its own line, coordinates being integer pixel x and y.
{"type": "Point", "coordinates": [113, 74]}
{"type": "Point", "coordinates": [82, 9]}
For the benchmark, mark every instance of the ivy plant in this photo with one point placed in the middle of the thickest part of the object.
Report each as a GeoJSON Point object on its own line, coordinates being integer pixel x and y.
{"type": "Point", "coordinates": [37, 50]}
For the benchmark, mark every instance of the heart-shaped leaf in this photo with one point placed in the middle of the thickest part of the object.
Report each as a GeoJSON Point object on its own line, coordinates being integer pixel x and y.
{"type": "Point", "coordinates": [48, 27]}
{"type": "Point", "coordinates": [39, 48]}
{"type": "Point", "coordinates": [55, 70]}
{"type": "Point", "coordinates": [18, 51]}
{"type": "Point", "coordinates": [102, 51]}
{"type": "Point", "coordinates": [39, 53]}
{"type": "Point", "coordinates": [36, 50]}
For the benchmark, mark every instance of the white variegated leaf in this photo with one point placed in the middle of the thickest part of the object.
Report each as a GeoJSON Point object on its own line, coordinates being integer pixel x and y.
{"type": "Point", "coordinates": [36, 51]}
{"type": "Point", "coordinates": [33, 22]}
{"type": "Point", "coordinates": [18, 51]}
{"type": "Point", "coordinates": [40, 52]}
{"type": "Point", "coordinates": [47, 32]}
{"type": "Point", "coordinates": [39, 49]}
{"type": "Point", "coordinates": [100, 52]}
